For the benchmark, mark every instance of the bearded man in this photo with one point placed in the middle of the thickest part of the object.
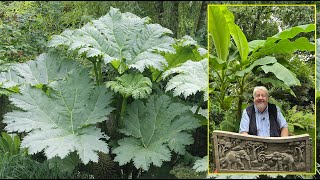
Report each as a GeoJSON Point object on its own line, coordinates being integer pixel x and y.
{"type": "Point", "coordinates": [263, 118]}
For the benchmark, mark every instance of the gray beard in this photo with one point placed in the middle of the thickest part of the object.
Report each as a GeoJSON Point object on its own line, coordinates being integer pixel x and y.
{"type": "Point", "coordinates": [261, 107]}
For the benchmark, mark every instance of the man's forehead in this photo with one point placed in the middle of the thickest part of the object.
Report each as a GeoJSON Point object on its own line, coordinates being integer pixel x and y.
{"type": "Point", "coordinates": [260, 91]}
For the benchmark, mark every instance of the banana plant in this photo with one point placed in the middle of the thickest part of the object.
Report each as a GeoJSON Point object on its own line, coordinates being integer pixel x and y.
{"type": "Point", "coordinates": [236, 59]}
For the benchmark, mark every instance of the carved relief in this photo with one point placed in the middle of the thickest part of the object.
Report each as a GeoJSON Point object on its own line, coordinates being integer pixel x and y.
{"type": "Point", "coordinates": [237, 152]}
{"type": "Point", "coordinates": [235, 158]}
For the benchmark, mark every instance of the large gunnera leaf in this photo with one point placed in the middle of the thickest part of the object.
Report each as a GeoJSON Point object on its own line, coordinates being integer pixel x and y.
{"type": "Point", "coordinates": [135, 85]}
{"type": "Point", "coordinates": [63, 121]}
{"type": "Point", "coordinates": [154, 129]}
{"type": "Point", "coordinates": [121, 38]}
{"type": "Point", "coordinates": [9, 79]}
{"type": "Point", "coordinates": [201, 165]}
{"type": "Point", "coordinates": [46, 68]}
{"type": "Point", "coordinates": [192, 77]}
{"type": "Point", "coordinates": [186, 49]}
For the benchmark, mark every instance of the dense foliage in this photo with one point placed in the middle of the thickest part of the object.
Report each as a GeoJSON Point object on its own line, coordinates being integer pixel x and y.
{"type": "Point", "coordinates": [237, 64]}
{"type": "Point", "coordinates": [66, 100]}
{"type": "Point", "coordinates": [111, 81]}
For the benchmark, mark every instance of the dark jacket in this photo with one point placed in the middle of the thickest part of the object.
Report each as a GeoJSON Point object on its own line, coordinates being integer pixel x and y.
{"type": "Point", "coordinates": [274, 126]}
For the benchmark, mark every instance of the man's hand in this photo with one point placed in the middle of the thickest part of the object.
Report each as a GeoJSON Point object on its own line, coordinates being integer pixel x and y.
{"type": "Point", "coordinates": [284, 132]}
{"type": "Point", "coordinates": [244, 133]}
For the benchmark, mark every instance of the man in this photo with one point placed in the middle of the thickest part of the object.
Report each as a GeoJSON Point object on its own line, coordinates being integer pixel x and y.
{"type": "Point", "coordinates": [263, 118]}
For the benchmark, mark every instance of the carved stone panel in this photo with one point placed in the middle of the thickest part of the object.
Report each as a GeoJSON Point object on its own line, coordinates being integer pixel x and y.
{"type": "Point", "coordinates": [234, 152]}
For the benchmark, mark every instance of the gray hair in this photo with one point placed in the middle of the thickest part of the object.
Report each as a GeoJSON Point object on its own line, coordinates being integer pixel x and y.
{"type": "Point", "coordinates": [260, 88]}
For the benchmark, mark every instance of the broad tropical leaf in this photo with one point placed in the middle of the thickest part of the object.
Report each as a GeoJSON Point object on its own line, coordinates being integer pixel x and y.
{"type": "Point", "coordinates": [221, 26]}
{"type": "Point", "coordinates": [135, 85]}
{"type": "Point", "coordinates": [63, 121]}
{"type": "Point", "coordinates": [284, 46]}
{"type": "Point", "coordinates": [276, 83]}
{"type": "Point", "coordinates": [9, 79]}
{"type": "Point", "coordinates": [292, 32]}
{"type": "Point", "coordinates": [240, 40]}
{"type": "Point", "coordinates": [256, 44]}
{"type": "Point", "coordinates": [282, 73]}
{"type": "Point", "coordinates": [123, 39]}
{"type": "Point", "coordinates": [192, 77]}
{"type": "Point", "coordinates": [216, 63]}
{"type": "Point", "coordinates": [46, 68]}
{"type": "Point", "coordinates": [154, 129]}
{"type": "Point", "coordinates": [259, 62]}
{"type": "Point", "coordinates": [280, 43]}
{"type": "Point", "coordinates": [219, 30]}
{"type": "Point", "coordinates": [202, 112]}
{"type": "Point", "coordinates": [186, 49]}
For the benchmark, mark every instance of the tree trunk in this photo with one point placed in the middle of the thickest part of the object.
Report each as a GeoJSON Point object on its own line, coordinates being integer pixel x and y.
{"type": "Point", "coordinates": [202, 17]}
{"type": "Point", "coordinates": [170, 16]}
{"type": "Point", "coordinates": [196, 14]}
{"type": "Point", "coordinates": [188, 13]}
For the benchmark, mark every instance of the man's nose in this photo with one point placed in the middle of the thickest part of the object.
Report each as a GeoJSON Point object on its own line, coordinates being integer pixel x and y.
{"type": "Point", "coordinates": [260, 97]}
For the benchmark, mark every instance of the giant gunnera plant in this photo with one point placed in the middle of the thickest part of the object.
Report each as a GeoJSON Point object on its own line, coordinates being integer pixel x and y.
{"type": "Point", "coordinates": [61, 102]}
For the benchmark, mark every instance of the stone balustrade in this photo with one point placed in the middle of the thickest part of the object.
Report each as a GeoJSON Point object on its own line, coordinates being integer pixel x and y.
{"type": "Point", "coordinates": [234, 152]}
